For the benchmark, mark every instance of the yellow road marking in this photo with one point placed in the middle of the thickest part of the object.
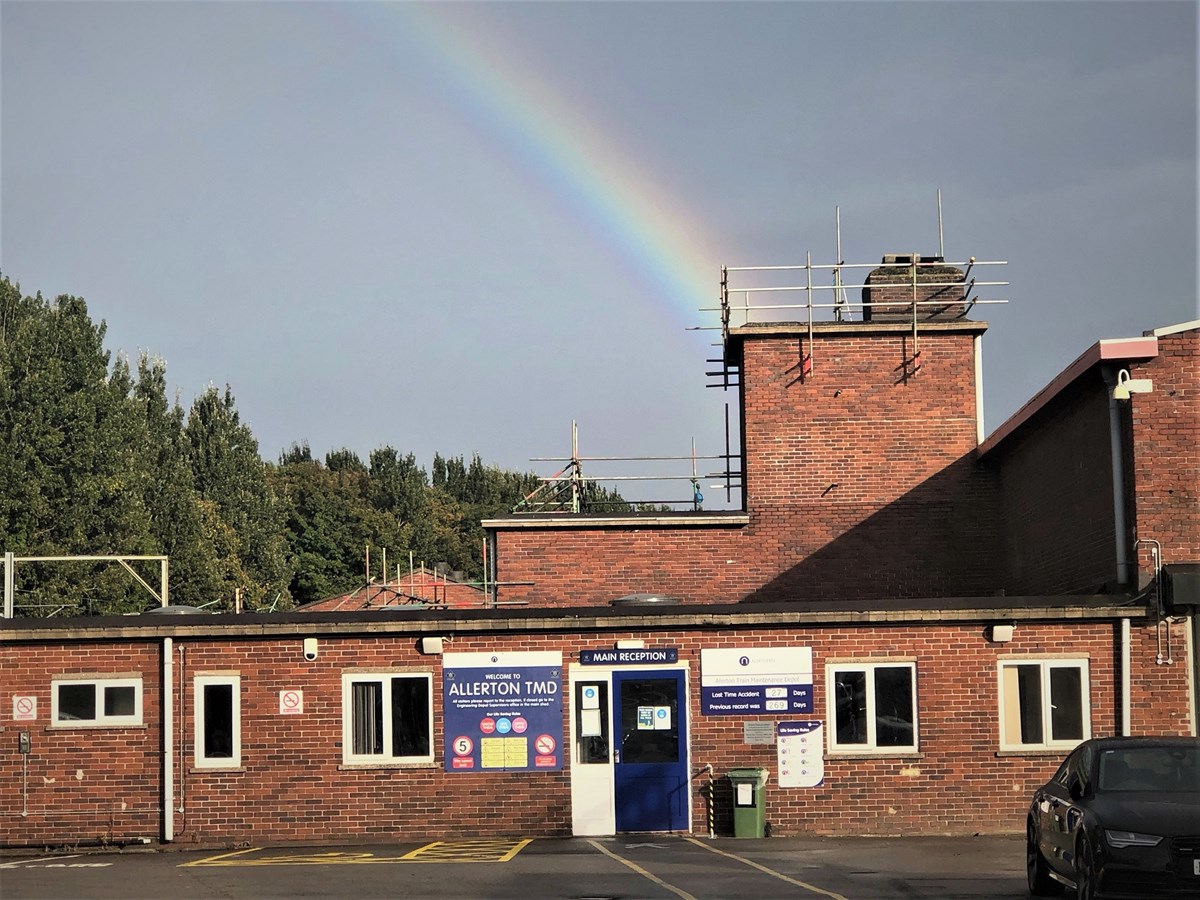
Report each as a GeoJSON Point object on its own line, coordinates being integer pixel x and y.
{"type": "Point", "coordinates": [212, 860]}
{"type": "Point", "coordinates": [772, 872]}
{"type": "Point", "coordinates": [670, 887]}
{"type": "Point", "coordinates": [438, 851]}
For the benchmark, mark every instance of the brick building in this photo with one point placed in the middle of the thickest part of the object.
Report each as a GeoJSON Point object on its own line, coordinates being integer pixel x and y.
{"type": "Point", "coordinates": [906, 625]}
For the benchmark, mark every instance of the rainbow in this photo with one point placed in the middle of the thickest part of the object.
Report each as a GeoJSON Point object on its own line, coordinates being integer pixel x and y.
{"type": "Point", "coordinates": [557, 147]}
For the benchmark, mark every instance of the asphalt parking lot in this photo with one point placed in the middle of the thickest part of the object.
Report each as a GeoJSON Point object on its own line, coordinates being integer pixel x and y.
{"type": "Point", "coordinates": [641, 867]}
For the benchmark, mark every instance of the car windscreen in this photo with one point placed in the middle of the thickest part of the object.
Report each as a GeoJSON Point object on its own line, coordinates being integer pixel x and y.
{"type": "Point", "coordinates": [1167, 768]}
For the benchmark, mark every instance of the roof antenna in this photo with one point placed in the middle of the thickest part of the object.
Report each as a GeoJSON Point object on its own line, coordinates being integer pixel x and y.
{"type": "Point", "coordinates": [941, 248]}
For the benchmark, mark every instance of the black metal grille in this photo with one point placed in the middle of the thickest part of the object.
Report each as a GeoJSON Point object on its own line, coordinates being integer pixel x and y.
{"type": "Point", "coordinates": [1186, 846]}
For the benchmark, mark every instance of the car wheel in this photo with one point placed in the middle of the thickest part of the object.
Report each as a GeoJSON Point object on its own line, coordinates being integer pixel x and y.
{"type": "Point", "coordinates": [1085, 875]}
{"type": "Point", "coordinates": [1040, 882]}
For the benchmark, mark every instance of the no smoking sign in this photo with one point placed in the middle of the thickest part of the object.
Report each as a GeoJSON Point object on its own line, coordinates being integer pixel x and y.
{"type": "Point", "coordinates": [291, 702]}
{"type": "Point", "coordinates": [24, 709]}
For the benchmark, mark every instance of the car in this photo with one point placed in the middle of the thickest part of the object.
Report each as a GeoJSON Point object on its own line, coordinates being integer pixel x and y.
{"type": "Point", "coordinates": [1120, 818]}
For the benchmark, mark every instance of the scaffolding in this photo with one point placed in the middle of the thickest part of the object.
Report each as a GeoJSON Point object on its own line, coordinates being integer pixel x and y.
{"type": "Point", "coordinates": [10, 577]}
{"type": "Point", "coordinates": [743, 304]}
{"type": "Point", "coordinates": [906, 291]}
{"type": "Point", "coordinates": [570, 490]}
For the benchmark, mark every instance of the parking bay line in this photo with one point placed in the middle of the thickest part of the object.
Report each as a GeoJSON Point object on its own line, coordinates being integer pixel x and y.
{"type": "Point", "coordinates": [670, 887]}
{"type": "Point", "coordinates": [36, 861]}
{"type": "Point", "coordinates": [808, 887]}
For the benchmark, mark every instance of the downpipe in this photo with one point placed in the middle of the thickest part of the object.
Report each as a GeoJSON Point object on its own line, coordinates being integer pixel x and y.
{"type": "Point", "coordinates": [168, 740]}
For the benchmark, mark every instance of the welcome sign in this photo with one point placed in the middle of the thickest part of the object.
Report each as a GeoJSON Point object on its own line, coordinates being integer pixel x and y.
{"type": "Point", "coordinates": [503, 711]}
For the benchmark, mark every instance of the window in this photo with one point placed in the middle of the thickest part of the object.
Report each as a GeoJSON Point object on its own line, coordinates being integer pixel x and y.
{"type": "Point", "coordinates": [872, 707]}
{"type": "Point", "coordinates": [1044, 704]}
{"type": "Point", "coordinates": [218, 718]}
{"type": "Point", "coordinates": [387, 718]}
{"type": "Point", "coordinates": [78, 702]}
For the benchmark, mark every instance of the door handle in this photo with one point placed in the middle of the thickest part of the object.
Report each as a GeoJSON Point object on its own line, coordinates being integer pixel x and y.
{"type": "Point", "coordinates": [616, 754]}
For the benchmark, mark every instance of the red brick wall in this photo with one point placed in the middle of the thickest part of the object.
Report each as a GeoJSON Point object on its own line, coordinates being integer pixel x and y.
{"type": "Point", "coordinates": [81, 784]}
{"type": "Point", "coordinates": [1057, 496]}
{"type": "Point", "coordinates": [860, 483]}
{"type": "Point", "coordinates": [291, 786]}
{"type": "Point", "coordinates": [1166, 462]}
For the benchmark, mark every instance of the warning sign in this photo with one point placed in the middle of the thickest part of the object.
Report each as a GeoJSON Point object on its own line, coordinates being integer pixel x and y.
{"type": "Point", "coordinates": [24, 709]}
{"type": "Point", "coordinates": [291, 702]}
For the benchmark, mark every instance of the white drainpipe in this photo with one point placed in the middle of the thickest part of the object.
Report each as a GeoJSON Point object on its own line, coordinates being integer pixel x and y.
{"type": "Point", "coordinates": [978, 389]}
{"type": "Point", "coordinates": [1126, 680]}
{"type": "Point", "coordinates": [168, 739]}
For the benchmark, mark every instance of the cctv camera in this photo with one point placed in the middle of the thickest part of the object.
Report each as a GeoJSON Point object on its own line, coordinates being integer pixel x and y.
{"type": "Point", "coordinates": [310, 649]}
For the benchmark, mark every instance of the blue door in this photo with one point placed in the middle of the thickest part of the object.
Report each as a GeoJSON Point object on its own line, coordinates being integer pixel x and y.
{"type": "Point", "coordinates": [650, 767]}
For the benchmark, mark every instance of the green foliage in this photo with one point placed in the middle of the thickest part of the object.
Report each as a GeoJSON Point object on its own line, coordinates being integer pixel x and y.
{"type": "Point", "coordinates": [229, 473]}
{"type": "Point", "coordinates": [96, 460]}
{"type": "Point", "coordinates": [70, 448]}
{"type": "Point", "coordinates": [329, 523]}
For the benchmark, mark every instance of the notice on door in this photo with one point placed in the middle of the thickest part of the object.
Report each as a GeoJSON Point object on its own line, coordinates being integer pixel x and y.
{"type": "Point", "coordinates": [496, 705]}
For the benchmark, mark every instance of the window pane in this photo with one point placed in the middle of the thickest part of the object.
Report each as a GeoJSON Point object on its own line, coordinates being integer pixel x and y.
{"type": "Point", "coordinates": [593, 748]}
{"type": "Point", "coordinates": [77, 701]}
{"type": "Point", "coordinates": [893, 707]}
{"type": "Point", "coordinates": [410, 717]}
{"type": "Point", "coordinates": [1066, 703]}
{"type": "Point", "coordinates": [1029, 689]}
{"type": "Point", "coordinates": [640, 743]}
{"type": "Point", "coordinates": [218, 721]}
{"type": "Point", "coordinates": [367, 723]}
{"type": "Point", "coordinates": [120, 701]}
{"type": "Point", "coordinates": [850, 692]}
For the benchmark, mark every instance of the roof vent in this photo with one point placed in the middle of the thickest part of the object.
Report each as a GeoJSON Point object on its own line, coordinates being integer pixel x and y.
{"type": "Point", "coordinates": [643, 600]}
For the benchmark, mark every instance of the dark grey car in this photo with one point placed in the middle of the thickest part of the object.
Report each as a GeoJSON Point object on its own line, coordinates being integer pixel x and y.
{"type": "Point", "coordinates": [1120, 818]}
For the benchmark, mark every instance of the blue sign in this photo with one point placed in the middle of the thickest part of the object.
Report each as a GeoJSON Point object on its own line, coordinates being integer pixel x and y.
{"type": "Point", "coordinates": [502, 712]}
{"type": "Point", "coordinates": [638, 657]}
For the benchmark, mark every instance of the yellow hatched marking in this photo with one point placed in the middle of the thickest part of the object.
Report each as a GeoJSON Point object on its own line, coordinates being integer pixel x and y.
{"type": "Point", "coordinates": [217, 860]}
{"type": "Point", "coordinates": [467, 851]}
{"type": "Point", "coordinates": [438, 851]}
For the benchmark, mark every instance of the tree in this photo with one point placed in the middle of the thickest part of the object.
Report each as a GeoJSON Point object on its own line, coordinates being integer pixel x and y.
{"type": "Point", "coordinates": [229, 473]}
{"type": "Point", "coordinates": [329, 521]}
{"type": "Point", "coordinates": [177, 519]}
{"type": "Point", "coordinates": [69, 440]}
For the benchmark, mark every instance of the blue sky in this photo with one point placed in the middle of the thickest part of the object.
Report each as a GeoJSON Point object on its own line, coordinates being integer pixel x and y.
{"type": "Point", "coordinates": [458, 227]}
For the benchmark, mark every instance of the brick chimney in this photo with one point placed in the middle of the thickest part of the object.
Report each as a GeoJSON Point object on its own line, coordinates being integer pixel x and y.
{"type": "Point", "coordinates": [893, 283]}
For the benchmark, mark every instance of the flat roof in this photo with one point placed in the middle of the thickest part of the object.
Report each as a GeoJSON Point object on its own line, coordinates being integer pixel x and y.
{"type": "Point", "coordinates": [578, 620]}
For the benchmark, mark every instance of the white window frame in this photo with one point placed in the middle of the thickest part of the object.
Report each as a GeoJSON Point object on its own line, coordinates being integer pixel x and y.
{"type": "Point", "coordinates": [383, 678]}
{"type": "Point", "coordinates": [868, 667]}
{"type": "Point", "coordinates": [199, 759]}
{"type": "Point", "coordinates": [99, 684]}
{"type": "Point", "coordinates": [1045, 665]}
